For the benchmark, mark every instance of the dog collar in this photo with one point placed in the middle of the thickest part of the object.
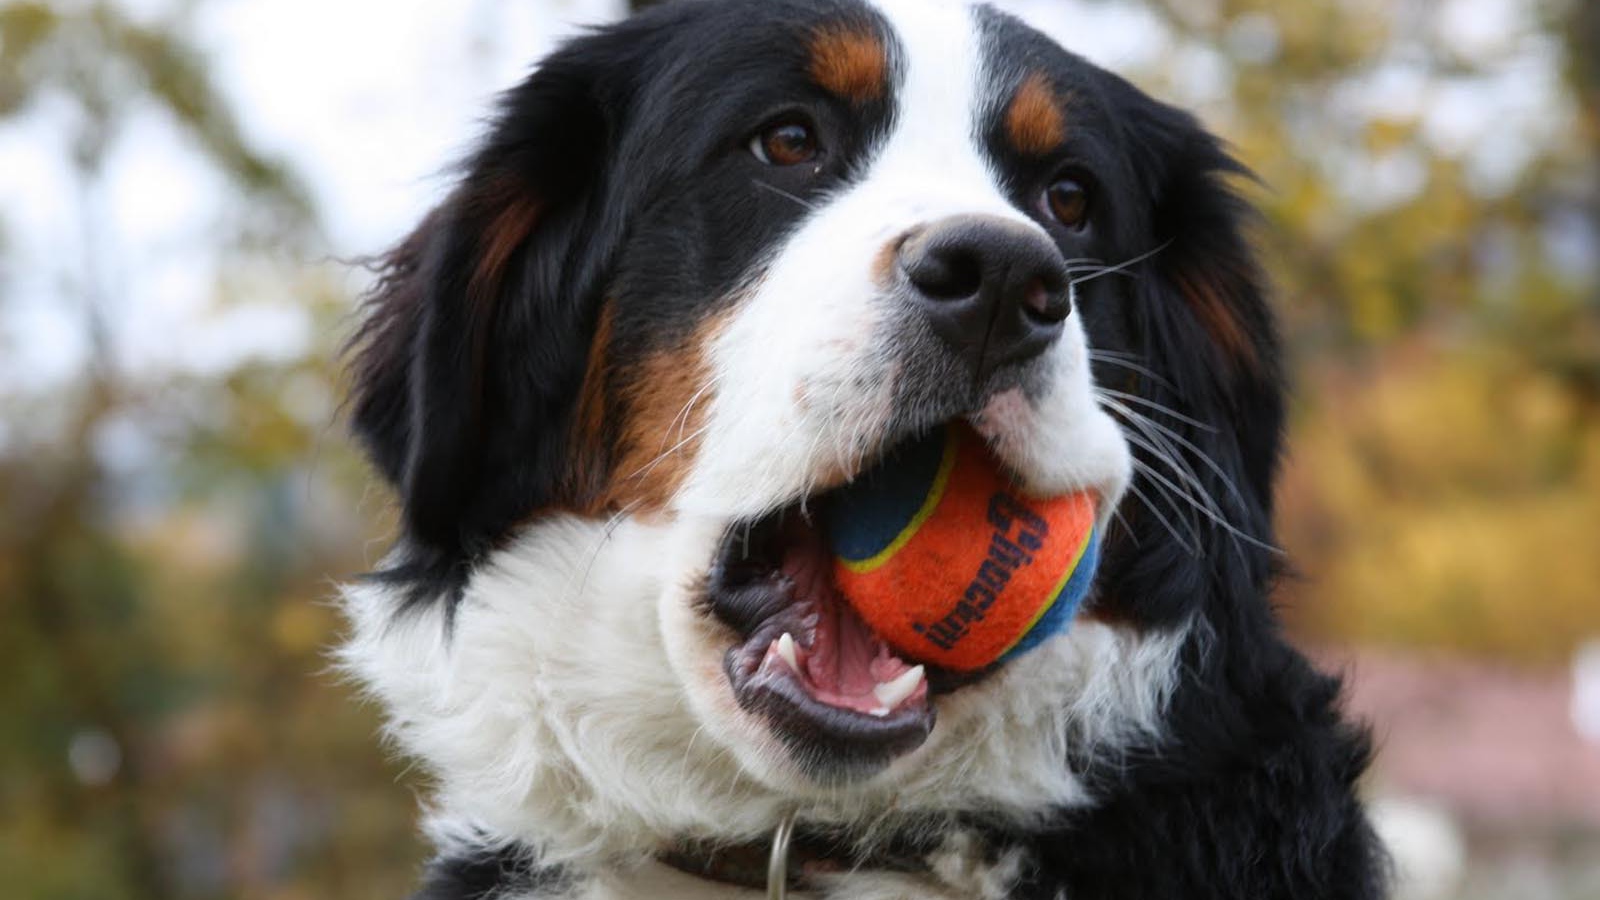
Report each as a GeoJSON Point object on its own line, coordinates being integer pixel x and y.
{"type": "Point", "coordinates": [790, 860]}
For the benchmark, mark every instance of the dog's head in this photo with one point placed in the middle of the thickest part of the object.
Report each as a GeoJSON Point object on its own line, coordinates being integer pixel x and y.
{"type": "Point", "coordinates": [705, 267]}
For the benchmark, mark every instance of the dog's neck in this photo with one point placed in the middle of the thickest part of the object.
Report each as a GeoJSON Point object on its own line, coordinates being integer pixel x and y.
{"type": "Point", "coordinates": [820, 863]}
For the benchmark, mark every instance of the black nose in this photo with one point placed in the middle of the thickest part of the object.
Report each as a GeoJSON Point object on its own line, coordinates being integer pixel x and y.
{"type": "Point", "coordinates": [995, 290]}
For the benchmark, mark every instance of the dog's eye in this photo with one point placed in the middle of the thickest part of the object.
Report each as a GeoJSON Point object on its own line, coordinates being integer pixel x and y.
{"type": "Point", "coordinates": [786, 143]}
{"type": "Point", "coordinates": [1068, 201]}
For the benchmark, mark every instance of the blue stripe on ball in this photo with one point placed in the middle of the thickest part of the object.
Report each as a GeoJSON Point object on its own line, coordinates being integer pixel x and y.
{"type": "Point", "coordinates": [867, 515]}
{"type": "Point", "coordinates": [1066, 603]}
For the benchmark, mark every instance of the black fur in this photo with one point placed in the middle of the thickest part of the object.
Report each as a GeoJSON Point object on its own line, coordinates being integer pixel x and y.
{"type": "Point", "coordinates": [466, 404]}
{"type": "Point", "coordinates": [489, 874]}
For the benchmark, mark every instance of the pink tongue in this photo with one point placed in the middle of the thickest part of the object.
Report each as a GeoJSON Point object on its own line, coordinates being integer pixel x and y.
{"type": "Point", "coordinates": [844, 659]}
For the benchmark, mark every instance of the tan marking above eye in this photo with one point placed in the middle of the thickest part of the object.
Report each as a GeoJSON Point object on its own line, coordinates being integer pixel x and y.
{"type": "Point", "coordinates": [1035, 123]}
{"type": "Point", "coordinates": [850, 62]}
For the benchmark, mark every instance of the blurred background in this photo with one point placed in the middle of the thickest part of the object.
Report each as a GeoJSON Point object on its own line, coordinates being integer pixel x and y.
{"type": "Point", "coordinates": [184, 182]}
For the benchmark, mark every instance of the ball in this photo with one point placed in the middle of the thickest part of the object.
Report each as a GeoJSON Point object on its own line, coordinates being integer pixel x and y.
{"type": "Point", "coordinates": [937, 550]}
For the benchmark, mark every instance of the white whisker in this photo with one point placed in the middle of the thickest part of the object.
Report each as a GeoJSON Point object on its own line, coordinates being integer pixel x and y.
{"type": "Point", "coordinates": [1134, 489]}
{"type": "Point", "coordinates": [1121, 266]}
{"type": "Point", "coordinates": [1151, 404]}
{"type": "Point", "coordinates": [785, 194]}
{"type": "Point", "coordinates": [1103, 356]}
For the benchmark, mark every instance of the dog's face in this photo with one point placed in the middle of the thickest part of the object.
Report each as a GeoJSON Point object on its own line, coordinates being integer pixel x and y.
{"type": "Point", "coordinates": [709, 265]}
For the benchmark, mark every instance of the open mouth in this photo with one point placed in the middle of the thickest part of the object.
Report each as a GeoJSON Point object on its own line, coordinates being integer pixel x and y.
{"type": "Point", "coordinates": [833, 687]}
{"type": "Point", "coordinates": [833, 690]}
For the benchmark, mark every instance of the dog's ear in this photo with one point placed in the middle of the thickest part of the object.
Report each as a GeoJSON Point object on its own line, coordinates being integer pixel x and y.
{"type": "Point", "coordinates": [469, 364]}
{"type": "Point", "coordinates": [1209, 291]}
{"type": "Point", "coordinates": [1212, 391]}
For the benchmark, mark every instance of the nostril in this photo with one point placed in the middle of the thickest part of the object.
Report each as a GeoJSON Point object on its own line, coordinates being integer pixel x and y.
{"type": "Point", "coordinates": [1036, 297]}
{"type": "Point", "coordinates": [949, 274]}
{"type": "Point", "coordinates": [1046, 303]}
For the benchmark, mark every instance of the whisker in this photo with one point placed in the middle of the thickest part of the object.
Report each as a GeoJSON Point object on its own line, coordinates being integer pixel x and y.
{"type": "Point", "coordinates": [1147, 402]}
{"type": "Point", "coordinates": [1118, 360]}
{"type": "Point", "coordinates": [650, 467]}
{"type": "Point", "coordinates": [1221, 522]}
{"type": "Point", "coordinates": [1165, 455]}
{"type": "Point", "coordinates": [1095, 271]}
{"type": "Point", "coordinates": [785, 194]}
{"type": "Point", "coordinates": [611, 526]}
{"type": "Point", "coordinates": [1134, 488]}
{"type": "Point", "coordinates": [1205, 503]}
{"type": "Point", "coordinates": [1165, 488]}
{"type": "Point", "coordinates": [1158, 446]}
{"type": "Point", "coordinates": [1204, 457]}
{"type": "Point", "coordinates": [682, 418]}
{"type": "Point", "coordinates": [1116, 513]}
{"type": "Point", "coordinates": [1124, 264]}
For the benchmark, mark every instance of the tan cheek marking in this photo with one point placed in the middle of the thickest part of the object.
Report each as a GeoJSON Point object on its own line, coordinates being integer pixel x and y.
{"type": "Point", "coordinates": [850, 62]}
{"type": "Point", "coordinates": [1035, 124]}
{"type": "Point", "coordinates": [586, 478]}
{"type": "Point", "coordinates": [666, 403]}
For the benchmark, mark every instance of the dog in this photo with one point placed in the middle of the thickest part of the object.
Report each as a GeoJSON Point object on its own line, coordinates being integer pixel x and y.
{"type": "Point", "coordinates": [707, 265]}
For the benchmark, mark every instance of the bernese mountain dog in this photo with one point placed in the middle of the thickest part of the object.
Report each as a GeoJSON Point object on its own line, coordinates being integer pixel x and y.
{"type": "Point", "coordinates": [707, 265]}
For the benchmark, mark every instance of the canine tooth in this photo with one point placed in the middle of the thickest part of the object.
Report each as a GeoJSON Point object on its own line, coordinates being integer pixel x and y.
{"type": "Point", "coordinates": [787, 651]}
{"type": "Point", "coordinates": [894, 693]}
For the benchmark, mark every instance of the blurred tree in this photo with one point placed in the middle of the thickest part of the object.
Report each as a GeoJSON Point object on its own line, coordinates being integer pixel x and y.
{"type": "Point", "coordinates": [1440, 298]}
{"type": "Point", "coordinates": [155, 619]}
{"type": "Point", "coordinates": [1584, 54]}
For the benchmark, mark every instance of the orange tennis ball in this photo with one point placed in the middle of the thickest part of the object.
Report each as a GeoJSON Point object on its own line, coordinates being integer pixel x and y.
{"type": "Point", "coordinates": [950, 564]}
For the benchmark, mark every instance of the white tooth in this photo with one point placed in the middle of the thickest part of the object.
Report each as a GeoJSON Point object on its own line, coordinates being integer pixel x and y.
{"type": "Point", "coordinates": [894, 693]}
{"type": "Point", "coordinates": [787, 651]}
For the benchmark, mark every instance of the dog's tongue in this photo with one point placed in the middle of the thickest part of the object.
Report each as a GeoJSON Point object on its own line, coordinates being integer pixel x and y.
{"type": "Point", "coordinates": [841, 661]}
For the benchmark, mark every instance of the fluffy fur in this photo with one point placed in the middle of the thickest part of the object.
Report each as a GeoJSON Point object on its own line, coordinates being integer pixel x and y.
{"type": "Point", "coordinates": [631, 337]}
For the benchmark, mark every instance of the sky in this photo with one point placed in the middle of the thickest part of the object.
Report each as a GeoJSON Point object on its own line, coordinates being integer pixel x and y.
{"type": "Point", "coordinates": [370, 101]}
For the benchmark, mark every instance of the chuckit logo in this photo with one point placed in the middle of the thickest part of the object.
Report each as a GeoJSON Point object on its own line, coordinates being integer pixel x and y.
{"type": "Point", "coordinates": [1018, 534]}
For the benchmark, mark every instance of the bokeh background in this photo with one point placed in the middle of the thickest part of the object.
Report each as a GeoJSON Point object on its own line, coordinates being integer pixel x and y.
{"type": "Point", "coordinates": [185, 183]}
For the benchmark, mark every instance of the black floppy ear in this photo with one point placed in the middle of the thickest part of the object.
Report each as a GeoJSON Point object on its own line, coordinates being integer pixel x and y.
{"type": "Point", "coordinates": [1204, 318]}
{"type": "Point", "coordinates": [469, 363]}
{"type": "Point", "coordinates": [1211, 388]}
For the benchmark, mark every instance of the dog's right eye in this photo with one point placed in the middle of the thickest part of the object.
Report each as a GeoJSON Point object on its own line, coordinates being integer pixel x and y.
{"type": "Point", "coordinates": [785, 143]}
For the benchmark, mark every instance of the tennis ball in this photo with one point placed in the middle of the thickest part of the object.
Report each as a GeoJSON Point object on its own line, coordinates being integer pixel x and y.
{"type": "Point", "coordinates": [949, 563]}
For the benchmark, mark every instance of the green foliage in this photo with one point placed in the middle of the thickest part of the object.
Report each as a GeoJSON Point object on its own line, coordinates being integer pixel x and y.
{"type": "Point", "coordinates": [170, 727]}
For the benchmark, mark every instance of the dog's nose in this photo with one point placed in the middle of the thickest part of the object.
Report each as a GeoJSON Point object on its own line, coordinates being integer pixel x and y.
{"type": "Point", "coordinates": [995, 290]}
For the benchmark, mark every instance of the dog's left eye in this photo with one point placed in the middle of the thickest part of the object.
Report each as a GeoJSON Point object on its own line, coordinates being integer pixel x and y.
{"type": "Point", "coordinates": [786, 143]}
{"type": "Point", "coordinates": [1067, 200]}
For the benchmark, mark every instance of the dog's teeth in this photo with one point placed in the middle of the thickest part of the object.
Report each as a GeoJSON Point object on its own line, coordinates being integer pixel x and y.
{"type": "Point", "coordinates": [894, 693]}
{"type": "Point", "coordinates": [787, 651]}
